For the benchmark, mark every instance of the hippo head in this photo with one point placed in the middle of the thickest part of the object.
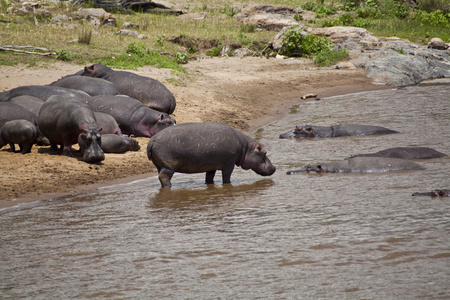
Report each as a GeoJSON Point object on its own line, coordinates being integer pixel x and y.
{"type": "Point", "coordinates": [256, 159]}
{"type": "Point", "coordinates": [134, 145]}
{"type": "Point", "coordinates": [318, 168]}
{"type": "Point", "coordinates": [148, 126]}
{"type": "Point", "coordinates": [96, 70]}
{"type": "Point", "coordinates": [90, 145]}
{"type": "Point", "coordinates": [299, 132]}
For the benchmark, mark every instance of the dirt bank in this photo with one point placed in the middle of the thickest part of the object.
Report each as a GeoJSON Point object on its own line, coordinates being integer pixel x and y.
{"type": "Point", "coordinates": [244, 93]}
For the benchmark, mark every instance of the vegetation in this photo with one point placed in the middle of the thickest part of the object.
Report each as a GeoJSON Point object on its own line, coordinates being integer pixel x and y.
{"type": "Point", "coordinates": [429, 18]}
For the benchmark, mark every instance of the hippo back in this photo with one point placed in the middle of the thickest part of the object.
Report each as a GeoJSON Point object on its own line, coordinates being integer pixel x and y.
{"type": "Point", "coordinates": [92, 86]}
{"type": "Point", "coordinates": [12, 111]}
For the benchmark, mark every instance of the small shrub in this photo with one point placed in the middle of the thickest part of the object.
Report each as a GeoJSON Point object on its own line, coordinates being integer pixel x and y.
{"type": "Point", "coordinates": [216, 51]}
{"type": "Point", "coordinates": [296, 44]}
{"type": "Point", "coordinates": [85, 35]}
{"type": "Point", "coordinates": [248, 28]}
{"type": "Point", "coordinates": [181, 58]}
{"type": "Point", "coordinates": [136, 49]}
{"type": "Point", "coordinates": [64, 55]}
{"type": "Point", "coordinates": [309, 6]}
{"type": "Point", "coordinates": [330, 57]}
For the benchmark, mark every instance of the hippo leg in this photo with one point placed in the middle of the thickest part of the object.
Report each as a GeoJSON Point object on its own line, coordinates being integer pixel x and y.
{"type": "Point", "coordinates": [26, 148]}
{"type": "Point", "coordinates": [13, 147]}
{"type": "Point", "coordinates": [67, 151]}
{"type": "Point", "coordinates": [164, 177]}
{"type": "Point", "coordinates": [226, 174]}
{"type": "Point", "coordinates": [210, 177]}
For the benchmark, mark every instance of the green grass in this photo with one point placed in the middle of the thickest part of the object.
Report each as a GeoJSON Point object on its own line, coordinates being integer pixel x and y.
{"type": "Point", "coordinates": [102, 44]}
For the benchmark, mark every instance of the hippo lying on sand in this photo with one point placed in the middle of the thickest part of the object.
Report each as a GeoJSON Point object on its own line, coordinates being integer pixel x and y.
{"type": "Point", "coordinates": [205, 147]}
{"type": "Point", "coordinates": [360, 165]}
{"type": "Point", "coordinates": [309, 131]}
{"type": "Point", "coordinates": [12, 111]}
{"type": "Point", "coordinates": [92, 86]}
{"type": "Point", "coordinates": [149, 91]}
{"type": "Point", "coordinates": [44, 92]}
{"type": "Point", "coordinates": [113, 143]}
{"type": "Point", "coordinates": [132, 116]}
{"type": "Point", "coordinates": [405, 153]}
{"type": "Point", "coordinates": [64, 121]}
{"type": "Point", "coordinates": [20, 132]}
{"type": "Point", "coordinates": [434, 193]}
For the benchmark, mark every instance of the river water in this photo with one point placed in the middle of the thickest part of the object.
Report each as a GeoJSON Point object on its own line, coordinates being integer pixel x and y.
{"type": "Point", "coordinates": [357, 236]}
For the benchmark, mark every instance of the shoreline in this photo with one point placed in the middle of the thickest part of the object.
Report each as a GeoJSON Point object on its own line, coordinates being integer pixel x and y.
{"type": "Point", "coordinates": [217, 92]}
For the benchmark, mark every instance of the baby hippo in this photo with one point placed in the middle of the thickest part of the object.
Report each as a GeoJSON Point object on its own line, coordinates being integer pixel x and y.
{"type": "Point", "coordinates": [114, 143]}
{"type": "Point", "coordinates": [205, 147]}
{"type": "Point", "coordinates": [20, 132]}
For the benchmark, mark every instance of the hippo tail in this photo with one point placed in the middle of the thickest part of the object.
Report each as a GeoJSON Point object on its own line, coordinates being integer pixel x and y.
{"type": "Point", "coordinates": [149, 149]}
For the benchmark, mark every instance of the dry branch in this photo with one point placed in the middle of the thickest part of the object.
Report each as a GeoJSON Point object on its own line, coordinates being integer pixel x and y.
{"type": "Point", "coordinates": [17, 49]}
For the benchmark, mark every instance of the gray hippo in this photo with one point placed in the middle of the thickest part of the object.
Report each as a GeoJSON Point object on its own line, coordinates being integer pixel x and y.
{"type": "Point", "coordinates": [132, 116]}
{"type": "Point", "coordinates": [205, 147]}
{"type": "Point", "coordinates": [113, 143]}
{"type": "Point", "coordinates": [43, 92]}
{"type": "Point", "coordinates": [31, 103]}
{"type": "Point", "coordinates": [21, 132]}
{"type": "Point", "coordinates": [145, 89]}
{"type": "Point", "coordinates": [406, 153]}
{"type": "Point", "coordinates": [360, 165]}
{"type": "Point", "coordinates": [12, 111]}
{"type": "Point", "coordinates": [434, 193]}
{"type": "Point", "coordinates": [107, 123]}
{"type": "Point", "coordinates": [310, 131]}
{"type": "Point", "coordinates": [92, 86]}
{"type": "Point", "coordinates": [65, 121]}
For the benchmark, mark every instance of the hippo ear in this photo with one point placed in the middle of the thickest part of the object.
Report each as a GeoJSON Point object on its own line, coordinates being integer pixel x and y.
{"type": "Point", "coordinates": [309, 129]}
{"type": "Point", "coordinates": [100, 129]}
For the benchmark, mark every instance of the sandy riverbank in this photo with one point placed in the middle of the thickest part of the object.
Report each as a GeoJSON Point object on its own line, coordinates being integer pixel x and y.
{"type": "Point", "coordinates": [245, 93]}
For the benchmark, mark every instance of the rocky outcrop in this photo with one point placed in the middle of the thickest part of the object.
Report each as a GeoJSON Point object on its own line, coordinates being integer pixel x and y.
{"type": "Point", "coordinates": [268, 17]}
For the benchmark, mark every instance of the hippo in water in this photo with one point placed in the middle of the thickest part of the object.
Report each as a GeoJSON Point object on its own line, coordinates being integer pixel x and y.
{"type": "Point", "coordinates": [64, 121]}
{"type": "Point", "coordinates": [145, 89]}
{"type": "Point", "coordinates": [406, 153]}
{"type": "Point", "coordinates": [310, 131]}
{"type": "Point", "coordinates": [43, 92]}
{"type": "Point", "coordinates": [434, 193]}
{"type": "Point", "coordinates": [132, 116]}
{"type": "Point", "coordinates": [92, 86]}
{"type": "Point", "coordinates": [360, 165]}
{"type": "Point", "coordinates": [20, 132]}
{"type": "Point", "coordinates": [205, 147]}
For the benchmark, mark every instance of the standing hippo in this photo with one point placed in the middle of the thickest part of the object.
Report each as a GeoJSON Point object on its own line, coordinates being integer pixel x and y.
{"type": "Point", "coordinates": [309, 131]}
{"type": "Point", "coordinates": [107, 123]}
{"type": "Point", "coordinates": [145, 89]}
{"type": "Point", "coordinates": [205, 147]}
{"type": "Point", "coordinates": [360, 165]}
{"type": "Point", "coordinates": [43, 92]}
{"type": "Point", "coordinates": [12, 111]}
{"type": "Point", "coordinates": [31, 103]}
{"type": "Point", "coordinates": [20, 132]}
{"type": "Point", "coordinates": [92, 86]}
{"type": "Point", "coordinates": [406, 153]}
{"type": "Point", "coordinates": [113, 143]}
{"type": "Point", "coordinates": [65, 121]}
{"type": "Point", "coordinates": [132, 116]}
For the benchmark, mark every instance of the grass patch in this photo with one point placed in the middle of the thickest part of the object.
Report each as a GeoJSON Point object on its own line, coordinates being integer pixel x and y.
{"type": "Point", "coordinates": [329, 58]}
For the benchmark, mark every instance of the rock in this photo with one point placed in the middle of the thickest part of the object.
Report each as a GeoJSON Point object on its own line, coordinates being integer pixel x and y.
{"type": "Point", "coordinates": [269, 17]}
{"type": "Point", "coordinates": [437, 43]}
{"type": "Point", "coordinates": [128, 32]}
{"type": "Point", "coordinates": [109, 22]}
{"type": "Point", "coordinates": [98, 13]}
{"type": "Point", "coordinates": [345, 65]}
{"type": "Point", "coordinates": [128, 25]}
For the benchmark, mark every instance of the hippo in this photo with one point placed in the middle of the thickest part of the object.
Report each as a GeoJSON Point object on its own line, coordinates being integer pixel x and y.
{"type": "Point", "coordinates": [92, 86]}
{"type": "Point", "coordinates": [360, 165]}
{"type": "Point", "coordinates": [205, 147]}
{"type": "Point", "coordinates": [43, 92]}
{"type": "Point", "coordinates": [64, 121]}
{"type": "Point", "coordinates": [405, 153]}
{"type": "Point", "coordinates": [4, 96]}
{"type": "Point", "coordinates": [113, 143]}
{"type": "Point", "coordinates": [31, 103]}
{"type": "Point", "coordinates": [107, 123]}
{"type": "Point", "coordinates": [335, 131]}
{"type": "Point", "coordinates": [20, 132]}
{"type": "Point", "coordinates": [132, 116]}
{"type": "Point", "coordinates": [434, 193]}
{"type": "Point", "coordinates": [145, 89]}
{"type": "Point", "coordinates": [12, 111]}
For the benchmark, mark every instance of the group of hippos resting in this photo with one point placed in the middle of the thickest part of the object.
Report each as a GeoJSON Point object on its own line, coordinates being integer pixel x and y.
{"type": "Point", "coordinates": [99, 108]}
